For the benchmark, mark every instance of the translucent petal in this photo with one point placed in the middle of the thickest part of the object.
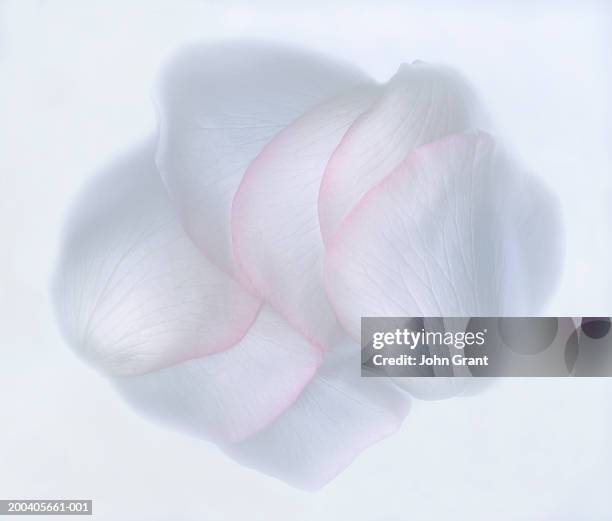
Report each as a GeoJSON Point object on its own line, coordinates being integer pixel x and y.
{"type": "Point", "coordinates": [230, 395]}
{"type": "Point", "coordinates": [218, 106]}
{"type": "Point", "coordinates": [420, 104]}
{"type": "Point", "coordinates": [337, 416]}
{"type": "Point", "coordinates": [133, 293]}
{"type": "Point", "coordinates": [456, 230]}
{"type": "Point", "coordinates": [275, 224]}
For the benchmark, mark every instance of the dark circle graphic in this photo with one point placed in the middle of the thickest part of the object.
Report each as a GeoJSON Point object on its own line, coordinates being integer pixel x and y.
{"type": "Point", "coordinates": [527, 336]}
{"type": "Point", "coordinates": [595, 327]}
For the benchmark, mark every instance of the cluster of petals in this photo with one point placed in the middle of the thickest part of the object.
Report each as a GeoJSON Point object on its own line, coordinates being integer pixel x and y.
{"type": "Point", "coordinates": [217, 273]}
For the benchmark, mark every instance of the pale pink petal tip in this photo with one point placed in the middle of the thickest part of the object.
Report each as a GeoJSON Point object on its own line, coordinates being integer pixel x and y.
{"type": "Point", "coordinates": [132, 292]}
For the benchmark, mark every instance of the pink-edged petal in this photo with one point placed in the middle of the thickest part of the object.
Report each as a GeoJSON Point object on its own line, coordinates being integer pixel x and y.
{"type": "Point", "coordinates": [275, 226]}
{"type": "Point", "coordinates": [456, 230]}
{"type": "Point", "coordinates": [218, 106]}
{"type": "Point", "coordinates": [420, 104]}
{"type": "Point", "coordinates": [229, 396]}
{"type": "Point", "coordinates": [337, 416]}
{"type": "Point", "coordinates": [133, 293]}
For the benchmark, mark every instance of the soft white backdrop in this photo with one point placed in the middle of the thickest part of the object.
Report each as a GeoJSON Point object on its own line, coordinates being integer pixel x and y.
{"type": "Point", "coordinates": [75, 88]}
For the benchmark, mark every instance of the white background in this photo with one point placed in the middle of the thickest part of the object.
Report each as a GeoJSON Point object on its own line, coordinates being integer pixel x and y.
{"type": "Point", "coordinates": [75, 85]}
